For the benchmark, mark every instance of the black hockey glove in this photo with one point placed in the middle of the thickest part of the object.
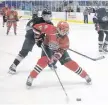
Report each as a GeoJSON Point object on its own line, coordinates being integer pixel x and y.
{"type": "Point", "coordinates": [52, 66]}
{"type": "Point", "coordinates": [40, 39]}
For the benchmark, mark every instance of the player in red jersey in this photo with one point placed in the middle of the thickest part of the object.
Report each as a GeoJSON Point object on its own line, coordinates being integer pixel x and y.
{"type": "Point", "coordinates": [12, 18]}
{"type": "Point", "coordinates": [4, 13]}
{"type": "Point", "coordinates": [56, 43]}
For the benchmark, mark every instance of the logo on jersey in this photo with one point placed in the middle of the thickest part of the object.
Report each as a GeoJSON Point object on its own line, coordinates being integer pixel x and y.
{"type": "Point", "coordinates": [53, 46]}
{"type": "Point", "coordinates": [105, 18]}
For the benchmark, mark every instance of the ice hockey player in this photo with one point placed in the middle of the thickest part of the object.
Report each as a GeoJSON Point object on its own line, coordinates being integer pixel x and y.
{"type": "Point", "coordinates": [56, 43]}
{"type": "Point", "coordinates": [4, 13]}
{"type": "Point", "coordinates": [101, 23]}
{"type": "Point", "coordinates": [12, 18]}
{"type": "Point", "coordinates": [29, 41]}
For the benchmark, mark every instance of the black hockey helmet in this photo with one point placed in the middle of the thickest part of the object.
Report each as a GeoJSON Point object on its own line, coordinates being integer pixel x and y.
{"type": "Point", "coordinates": [46, 15]}
{"type": "Point", "coordinates": [46, 12]}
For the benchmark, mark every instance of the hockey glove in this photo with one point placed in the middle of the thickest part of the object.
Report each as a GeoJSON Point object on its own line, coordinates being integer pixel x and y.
{"type": "Point", "coordinates": [52, 65]}
{"type": "Point", "coordinates": [39, 40]}
{"type": "Point", "coordinates": [55, 58]}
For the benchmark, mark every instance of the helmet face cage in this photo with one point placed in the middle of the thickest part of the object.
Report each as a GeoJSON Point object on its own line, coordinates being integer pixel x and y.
{"type": "Point", "coordinates": [47, 15]}
{"type": "Point", "coordinates": [63, 28]}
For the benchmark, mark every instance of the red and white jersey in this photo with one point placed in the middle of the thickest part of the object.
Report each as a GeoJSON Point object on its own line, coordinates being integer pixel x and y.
{"type": "Point", "coordinates": [52, 39]}
{"type": "Point", "coordinates": [12, 15]}
{"type": "Point", "coordinates": [5, 10]}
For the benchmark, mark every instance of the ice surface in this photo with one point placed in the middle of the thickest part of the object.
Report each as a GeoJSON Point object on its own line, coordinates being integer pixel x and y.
{"type": "Point", "coordinates": [46, 88]}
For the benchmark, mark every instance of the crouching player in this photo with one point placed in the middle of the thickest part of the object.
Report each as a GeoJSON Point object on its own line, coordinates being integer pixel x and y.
{"type": "Point", "coordinates": [12, 18]}
{"type": "Point", "coordinates": [56, 43]}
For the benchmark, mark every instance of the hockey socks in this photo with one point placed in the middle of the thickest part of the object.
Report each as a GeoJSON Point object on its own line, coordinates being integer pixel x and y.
{"type": "Point", "coordinates": [41, 64]}
{"type": "Point", "coordinates": [72, 65]}
{"type": "Point", "coordinates": [12, 69]}
{"type": "Point", "coordinates": [18, 59]}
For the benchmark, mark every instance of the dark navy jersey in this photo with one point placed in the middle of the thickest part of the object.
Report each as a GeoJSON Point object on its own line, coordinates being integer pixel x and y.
{"type": "Point", "coordinates": [37, 20]}
{"type": "Point", "coordinates": [101, 16]}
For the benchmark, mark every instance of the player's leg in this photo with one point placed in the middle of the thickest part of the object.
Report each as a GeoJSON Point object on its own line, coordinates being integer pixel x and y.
{"type": "Point", "coordinates": [100, 40]}
{"type": "Point", "coordinates": [9, 25]}
{"type": "Point", "coordinates": [27, 46]}
{"type": "Point", "coordinates": [3, 20]}
{"type": "Point", "coordinates": [15, 26]}
{"type": "Point", "coordinates": [50, 53]}
{"type": "Point", "coordinates": [73, 66]}
{"type": "Point", "coordinates": [41, 64]}
{"type": "Point", "coordinates": [105, 45]}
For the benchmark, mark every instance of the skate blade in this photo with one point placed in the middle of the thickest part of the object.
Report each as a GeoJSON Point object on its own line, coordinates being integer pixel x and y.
{"type": "Point", "coordinates": [90, 83]}
{"type": "Point", "coordinates": [28, 87]}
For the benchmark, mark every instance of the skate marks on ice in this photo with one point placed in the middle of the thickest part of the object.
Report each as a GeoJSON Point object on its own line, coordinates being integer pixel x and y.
{"type": "Point", "coordinates": [42, 89]}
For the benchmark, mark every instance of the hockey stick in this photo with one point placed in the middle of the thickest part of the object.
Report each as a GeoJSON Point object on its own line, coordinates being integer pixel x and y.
{"type": "Point", "coordinates": [67, 98]}
{"type": "Point", "coordinates": [94, 59]}
{"type": "Point", "coordinates": [19, 17]}
{"type": "Point", "coordinates": [103, 30]}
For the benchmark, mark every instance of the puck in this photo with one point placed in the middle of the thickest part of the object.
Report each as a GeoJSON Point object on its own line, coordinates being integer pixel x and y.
{"type": "Point", "coordinates": [78, 99]}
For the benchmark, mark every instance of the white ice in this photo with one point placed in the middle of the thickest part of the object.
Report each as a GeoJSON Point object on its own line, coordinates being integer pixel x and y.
{"type": "Point", "coordinates": [46, 88]}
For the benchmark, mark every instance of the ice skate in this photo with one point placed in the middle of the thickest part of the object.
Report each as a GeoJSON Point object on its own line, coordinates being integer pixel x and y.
{"type": "Point", "coordinates": [7, 33]}
{"type": "Point", "coordinates": [29, 82]}
{"type": "Point", "coordinates": [15, 33]}
{"type": "Point", "coordinates": [105, 48]}
{"type": "Point", "coordinates": [12, 69]}
{"type": "Point", "coordinates": [88, 80]}
{"type": "Point", "coordinates": [100, 48]}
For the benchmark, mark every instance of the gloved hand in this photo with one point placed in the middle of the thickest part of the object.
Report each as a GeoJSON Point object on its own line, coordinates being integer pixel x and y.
{"type": "Point", "coordinates": [52, 65]}
{"type": "Point", "coordinates": [55, 58]}
{"type": "Point", "coordinates": [39, 40]}
{"type": "Point", "coordinates": [97, 27]}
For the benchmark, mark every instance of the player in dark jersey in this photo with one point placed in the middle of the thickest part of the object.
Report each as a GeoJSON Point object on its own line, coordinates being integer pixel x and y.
{"type": "Point", "coordinates": [29, 38]}
{"type": "Point", "coordinates": [101, 23]}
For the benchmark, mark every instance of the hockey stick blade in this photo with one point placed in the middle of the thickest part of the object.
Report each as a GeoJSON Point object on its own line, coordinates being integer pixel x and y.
{"type": "Point", "coordinates": [99, 58]}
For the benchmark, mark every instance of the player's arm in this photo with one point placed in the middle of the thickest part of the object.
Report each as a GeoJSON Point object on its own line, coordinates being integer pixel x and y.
{"type": "Point", "coordinates": [29, 25]}
{"type": "Point", "coordinates": [16, 16]}
{"type": "Point", "coordinates": [95, 19]}
{"type": "Point", "coordinates": [7, 16]}
{"type": "Point", "coordinates": [96, 22]}
{"type": "Point", "coordinates": [64, 45]}
{"type": "Point", "coordinates": [39, 35]}
{"type": "Point", "coordinates": [2, 11]}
